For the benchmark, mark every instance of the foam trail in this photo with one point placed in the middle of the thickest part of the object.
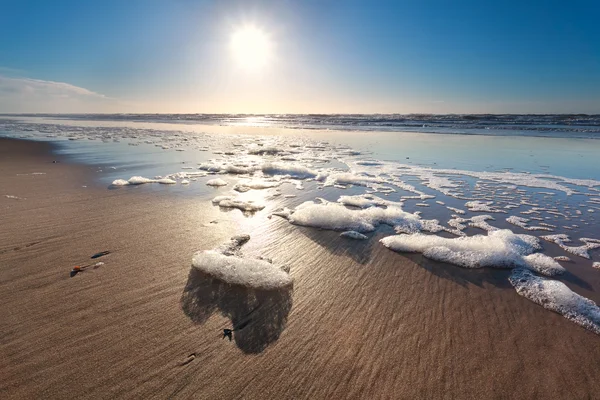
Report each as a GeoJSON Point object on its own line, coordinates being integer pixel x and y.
{"type": "Point", "coordinates": [556, 296]}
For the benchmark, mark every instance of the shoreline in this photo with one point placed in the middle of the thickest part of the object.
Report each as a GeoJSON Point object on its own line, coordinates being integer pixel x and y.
{"type": "Point", "coordinates": [583, 132]}
{"type": "Point", "coordinates": [364, 322]}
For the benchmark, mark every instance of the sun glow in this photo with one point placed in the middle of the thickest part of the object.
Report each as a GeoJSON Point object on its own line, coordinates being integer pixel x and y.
{"type": "Point", "coordinates": [251, 47]}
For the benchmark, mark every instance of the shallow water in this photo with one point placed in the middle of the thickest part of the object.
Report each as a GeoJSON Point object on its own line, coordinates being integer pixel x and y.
{"type": "Point", "coordinates": [562, 154]}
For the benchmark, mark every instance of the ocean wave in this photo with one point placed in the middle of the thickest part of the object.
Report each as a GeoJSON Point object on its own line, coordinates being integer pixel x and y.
{"type": "Point", "coordinates": [547, 125]}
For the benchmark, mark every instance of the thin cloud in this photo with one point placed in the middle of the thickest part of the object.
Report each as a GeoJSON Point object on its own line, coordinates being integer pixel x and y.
{"type": "Point", "coordinates": [28, 86]}
{"type": "Point", "coordinates": [25, 95]}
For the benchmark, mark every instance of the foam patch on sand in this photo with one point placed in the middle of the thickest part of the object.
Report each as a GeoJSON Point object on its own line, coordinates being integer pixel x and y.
{"type": "Point", "coordinates": [245, 185]}
{"type": "Point", "coordinates": [216, 182]}
{"type": "Point", "coordinates": [499, 249]}
{"type": "Point", "coordinates": [334, 216]}
{"type": "Point", "coordinates": [166, 181]}
{"type": "Point", "coordinates": [236, 202]}
{"type": "Point", "coordinates": [556, 296]}
{"type": "Point", "coordinates": [354, 235]}
{"type": "Point", "coordinates": [229, 265]}
{"type": "Point", "coordinates": [120, 182]}
{"type": "Point", "coordinates": [140, 180]}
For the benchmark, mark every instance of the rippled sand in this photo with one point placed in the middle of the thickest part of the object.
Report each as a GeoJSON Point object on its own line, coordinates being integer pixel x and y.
{"type": "Point", "coordinates": [359, 322]}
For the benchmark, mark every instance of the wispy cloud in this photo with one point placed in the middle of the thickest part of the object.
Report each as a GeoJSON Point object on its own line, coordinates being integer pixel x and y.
{"type": "Point", "coordinates": [23, 95]}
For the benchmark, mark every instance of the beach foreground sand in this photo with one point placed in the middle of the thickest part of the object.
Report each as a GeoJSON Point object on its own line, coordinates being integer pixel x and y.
{"type": "Point", "coordinates": [360, 321]}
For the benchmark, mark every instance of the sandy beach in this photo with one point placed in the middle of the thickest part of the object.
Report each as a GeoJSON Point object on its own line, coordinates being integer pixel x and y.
{"type": "Point", "coordinates": [360, 322]}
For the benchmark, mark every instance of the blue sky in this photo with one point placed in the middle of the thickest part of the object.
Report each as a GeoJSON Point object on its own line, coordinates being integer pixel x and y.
{"type": "Point", "coordinates": [326, 56]}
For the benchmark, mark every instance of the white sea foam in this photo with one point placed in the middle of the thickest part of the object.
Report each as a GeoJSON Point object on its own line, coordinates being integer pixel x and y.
{"type": "Point", "coordinates": [480, 221]}
{"type": "Point", "coordinates": [458, 224]}
{"type": "Point", "coordinates": [187, 175]}
{"type": "Point", "coordinates": [295, 170]}
{"type": "Point", "coordinates": [369, 163]}
{"type": "Point", "coordinates": [433, 226]}
{"type": "Point", "coordinates": [238, 169]}
{"type": "Point", "coordinates": [261, 151]}
{"type": "Point", "coordinates": [210, 167]}
{"type": "Point", "coordinates": [247, 184]}
{"type": "Point", "coordinates": [511, 178]}
{"type": "Point", "coordinates": [522, 222]}
{"type": "Point", "coordinates": [562, 258]}
{"type": "Point", "coordinates": [336, 216]}
{"type": "Point", "coordinates": [543, 264]}
{"type": "Point", "coordinates": [354, 235]}
{"type": "Point", "coordinates": [456, 210]}
{"type": "Point", "coordinates": [219, 199]}
{"type": "Point", "coordinates": [556, 296]}
{"type": "Point", "coordinates": [235, 202]}
{"type": "Point", "coordinates": [480, 206]}
{"type": "Point", "coordinates": [499, 249]}
{"type": "Point", "coordinates": [366, 201]}
{"type": "Point", "coordinates": [229, 265]}
{"type": "Point", "coordinates": [348, 178]}
{"type": "Point", "coordinates": [581, 251]}
{"type": "Point", "coordinates": [216, 182]}
{"type": "Point", "coordinates": [139, 180]}
{"type": "Point", "coordinates": [166, 181]}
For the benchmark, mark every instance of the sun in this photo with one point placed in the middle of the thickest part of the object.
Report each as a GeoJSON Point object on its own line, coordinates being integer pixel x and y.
{"type": "Point", "coordinates": [251, 47]}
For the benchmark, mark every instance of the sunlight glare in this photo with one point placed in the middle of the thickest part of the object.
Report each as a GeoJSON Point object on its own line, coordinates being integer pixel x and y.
{"type": "Point", "coordinates": [251, 47]}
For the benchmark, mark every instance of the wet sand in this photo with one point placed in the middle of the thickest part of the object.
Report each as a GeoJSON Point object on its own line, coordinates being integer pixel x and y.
{"type": "Point", "coordinates": [360, 322]}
